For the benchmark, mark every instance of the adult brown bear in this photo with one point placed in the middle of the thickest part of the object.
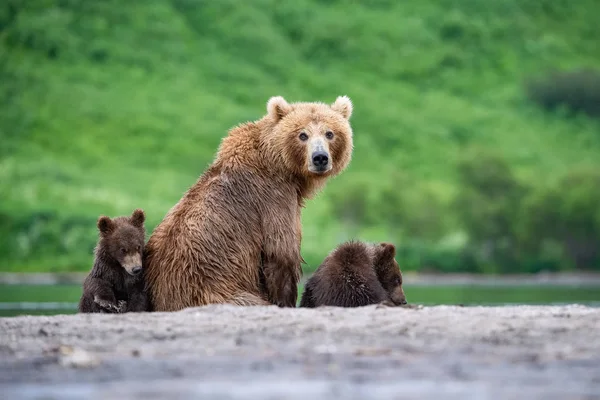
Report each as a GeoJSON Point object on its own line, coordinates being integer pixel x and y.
{"type": "Point", "coordinates": [234, 237]}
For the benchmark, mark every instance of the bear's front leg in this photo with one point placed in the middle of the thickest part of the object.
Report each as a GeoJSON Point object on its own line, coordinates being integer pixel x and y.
{"type": "Point", "coordinates": [281, 280]}
{"type": "Point", "coordinates": [102, 294]}
{"type": "Point", "coordinates": [138, 299]}
{"type": "Point", "coordinates": [281, 260]}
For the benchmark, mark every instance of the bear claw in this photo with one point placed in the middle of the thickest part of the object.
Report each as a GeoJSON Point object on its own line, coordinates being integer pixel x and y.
{"type": "Point", "coordinates": [107, 305]}
{"type": "Point", "coordinates": [121, 305]}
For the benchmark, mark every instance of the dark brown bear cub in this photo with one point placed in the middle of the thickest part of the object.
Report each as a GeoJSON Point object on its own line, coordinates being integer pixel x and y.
{"type": "Point", "coordinates": [356, 274]}
{"type": "Point", "coordinates": [116, 284]}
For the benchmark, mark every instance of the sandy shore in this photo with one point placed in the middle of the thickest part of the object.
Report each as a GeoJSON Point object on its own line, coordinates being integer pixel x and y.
{"type": "Point", "coordinates": [227, 352]}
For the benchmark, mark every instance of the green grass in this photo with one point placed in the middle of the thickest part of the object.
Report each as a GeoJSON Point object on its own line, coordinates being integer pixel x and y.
{"type": "Point", "coordinates": [109, 106]}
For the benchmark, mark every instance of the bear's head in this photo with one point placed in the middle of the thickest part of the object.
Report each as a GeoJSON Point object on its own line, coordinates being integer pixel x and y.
{"type": "Point", "coordinates": [122, 239]}
{"type": "Point", "coordinates": [388, 272]}
{"type": "Point", "coordinates": [312, 140]}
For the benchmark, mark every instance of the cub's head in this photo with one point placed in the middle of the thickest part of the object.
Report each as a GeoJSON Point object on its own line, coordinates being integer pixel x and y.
{"type": "Point", "coordinates": [123, 239]}
{"type": "Point", "coordinates": [388, 272]}
{"type": "Point", "coordinates": [311, 139]}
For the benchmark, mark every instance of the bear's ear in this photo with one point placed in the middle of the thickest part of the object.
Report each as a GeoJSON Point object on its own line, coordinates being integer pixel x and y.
{"type": "Point", "coordinates": [278, 108]}
{"type": "Point", "coordinates": [387, 251]}
{"type": "Point", "coordinates": [105, 225]}
{"type": "Point", "coordinates": [138, 217]}
{"type": "Point", "coordinates": [343, 105]}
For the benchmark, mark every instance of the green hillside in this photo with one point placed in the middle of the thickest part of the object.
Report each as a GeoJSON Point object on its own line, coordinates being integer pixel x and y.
{"type": "Point", "coordinates": [111, 105]}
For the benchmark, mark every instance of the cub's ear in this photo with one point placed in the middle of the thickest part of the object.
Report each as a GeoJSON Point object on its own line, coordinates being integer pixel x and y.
{"type": "Point", "coordinates": [343, 105]}
{"type": "Point", "coordinates": [105, 225]}
{"type": "Point", "coordinates": [387, 251]}
{"type": "Point", "coordinates": [138, 217]}
{"type": "Point", "coordinates": [278, 108]}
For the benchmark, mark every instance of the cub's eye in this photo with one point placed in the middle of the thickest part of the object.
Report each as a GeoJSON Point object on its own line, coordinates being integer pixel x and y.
{"type": "Point", "coordinates": [329, 135]}
{"type": "Point", "coordinates": [138, 248]}
{"type": "Point", "coordinates": [303, 136]}
{"type": "Point", "coordinates": [123, 250]}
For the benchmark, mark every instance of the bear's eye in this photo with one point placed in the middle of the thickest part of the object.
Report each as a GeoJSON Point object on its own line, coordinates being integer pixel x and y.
{"type": "Point", "coordinates": [303, 136]}
{"type": "Point", "coordinates": [329, 135]}
{"type": "Point", "coordinates": [123, 250]}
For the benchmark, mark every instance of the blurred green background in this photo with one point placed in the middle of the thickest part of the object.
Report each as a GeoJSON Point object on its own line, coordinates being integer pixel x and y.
{"type": "Point", "coordinates": [477, 138]}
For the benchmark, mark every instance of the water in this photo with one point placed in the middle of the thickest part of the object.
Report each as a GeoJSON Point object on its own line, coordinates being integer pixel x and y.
{"type": "Point", "coordinates": [62, 299]}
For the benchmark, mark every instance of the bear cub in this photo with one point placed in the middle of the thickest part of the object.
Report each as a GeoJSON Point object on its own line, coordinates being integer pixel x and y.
{"type": "Point", "coordinates": [116, 284]}
{"type": "Point", "coordinates": [356, 274]}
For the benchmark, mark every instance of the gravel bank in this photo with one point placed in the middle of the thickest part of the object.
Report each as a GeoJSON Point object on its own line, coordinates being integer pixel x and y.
{"type": "Point", "coordinates": [227, 352]}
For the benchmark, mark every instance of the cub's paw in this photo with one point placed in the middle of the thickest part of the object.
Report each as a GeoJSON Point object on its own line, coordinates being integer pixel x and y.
{"type": "Point", "coordinates": [386, 303]}
{"type": "Point", "coordinates": [107, 305]}
{"type": "Point", "coordinates": [121, 306]}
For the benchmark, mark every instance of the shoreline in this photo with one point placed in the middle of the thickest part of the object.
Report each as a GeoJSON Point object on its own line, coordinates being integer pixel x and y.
{"type": "Point", "coordinates": [410, 278]}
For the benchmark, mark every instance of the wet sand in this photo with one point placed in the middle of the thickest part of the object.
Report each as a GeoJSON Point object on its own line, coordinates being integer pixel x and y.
{"type": "Point", "coordinates": [228, 352]}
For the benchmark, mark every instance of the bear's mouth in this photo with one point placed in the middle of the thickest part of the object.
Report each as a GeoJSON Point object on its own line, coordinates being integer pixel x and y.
{"type": "Point", "coordinates": [398, 297]}
{"type": "Point", "coordinates": [320, 170]}
{"type": "Point", "coordinates": [134, 271]}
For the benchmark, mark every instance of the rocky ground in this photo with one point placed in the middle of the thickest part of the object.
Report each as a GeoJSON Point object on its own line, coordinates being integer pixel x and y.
{"type": "Point", "coordinates": [227, 352]}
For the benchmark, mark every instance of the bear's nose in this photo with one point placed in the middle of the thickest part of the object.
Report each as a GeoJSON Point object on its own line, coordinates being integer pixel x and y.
{"type": "Point", "coordinates": [320, 158]}
{"type": "Point", "coordinates": [136, 270]}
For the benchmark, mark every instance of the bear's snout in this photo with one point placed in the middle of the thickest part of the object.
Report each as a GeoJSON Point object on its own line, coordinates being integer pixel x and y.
{"type": "Point", "coordinates": [132, 263]}
{"type": "Point", "coordinates": [398, 297]}
{"type": "Point", "coordinates": [320, 159]}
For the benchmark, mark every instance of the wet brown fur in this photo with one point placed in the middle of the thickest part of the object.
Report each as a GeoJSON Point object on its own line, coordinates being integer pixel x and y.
{"type": "Point", "coordinates": [234, 237]}
{"type": "Point", "coordinates": [356, 274]}
{"type": "Point", "coordinates": [109, 288]}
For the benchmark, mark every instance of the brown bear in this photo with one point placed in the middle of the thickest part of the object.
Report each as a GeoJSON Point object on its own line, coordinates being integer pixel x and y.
{"type": "Point", "coordinates": [116, 284]}
{"type": "Point", "coordinates": [234, 237]}
{"type": "Point", "coordinates": [356, 274]}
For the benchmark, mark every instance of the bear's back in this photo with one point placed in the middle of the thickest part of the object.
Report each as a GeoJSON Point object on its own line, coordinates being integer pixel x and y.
{"type": "Point", "coordinates": [346, 278]}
